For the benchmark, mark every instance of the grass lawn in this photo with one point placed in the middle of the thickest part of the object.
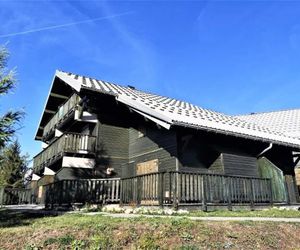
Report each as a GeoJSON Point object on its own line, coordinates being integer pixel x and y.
{"type": "Point", "coordinates": [77, 231]}
{"type": "Point", "coordinates": [273, 212]}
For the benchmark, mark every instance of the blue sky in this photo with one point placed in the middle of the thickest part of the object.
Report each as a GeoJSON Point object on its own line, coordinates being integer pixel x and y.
{"type": "Point", "coordinates": [230, 56]}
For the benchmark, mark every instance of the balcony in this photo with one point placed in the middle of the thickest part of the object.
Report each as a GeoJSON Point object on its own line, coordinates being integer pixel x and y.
{"type": "Point", "coordinates": [63, 112]}
{"type": "Point", "coordinates": [66, 143]}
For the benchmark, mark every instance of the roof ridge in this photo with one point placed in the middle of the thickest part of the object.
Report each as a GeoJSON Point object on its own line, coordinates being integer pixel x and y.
{"type": "Point", "coordinates": [268, 112]}
{"type": "Point", "coordinates": [151, 93]}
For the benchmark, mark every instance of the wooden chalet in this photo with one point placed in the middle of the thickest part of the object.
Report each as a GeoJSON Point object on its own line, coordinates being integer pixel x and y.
{"type": "Point", "coordinates": [106, 141]}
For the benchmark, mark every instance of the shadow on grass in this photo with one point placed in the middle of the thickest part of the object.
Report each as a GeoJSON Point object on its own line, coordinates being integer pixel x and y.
{"type": "Point", "coordinates": [21, 217]}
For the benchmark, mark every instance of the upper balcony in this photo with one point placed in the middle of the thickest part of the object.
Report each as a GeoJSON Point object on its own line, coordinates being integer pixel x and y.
{"type": "Point", "coordinates": [66, 143]}
{"type": "Point", "coordinates": [64, 111]}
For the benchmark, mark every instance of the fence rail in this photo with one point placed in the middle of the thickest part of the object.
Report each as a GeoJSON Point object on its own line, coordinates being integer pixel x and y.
{"type": "Point", "coordinates": [184, 188]}
{"type": "Point", "coordinates": [95, 191]}
{"type": "Point", "coordinates": [15, 196]}
{"type": "Point", "coordinates": [160, 188]}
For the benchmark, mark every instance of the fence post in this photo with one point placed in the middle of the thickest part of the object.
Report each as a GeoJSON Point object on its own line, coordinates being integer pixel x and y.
{"type": "Point", "coordinates": [175, 191]}
{"type": "Point", "coordinates": [203, 189]}
{"type": "Point", "coordinates": [1, 196]}
{"type": "Point", "coordinates": [161, 191]}
{"type": "Point", "coordinates": [61, 191]}
{"type": "Point", "coordinates": [271, 191]}
{"type": "Point", "coordinates": [251, 194]}
{"type": "Point", "coordinates": [137, 190]}
{"type": "Point", "coordinates": [228, 185]}
{"type": "Point", "coordinates": [121, 192]}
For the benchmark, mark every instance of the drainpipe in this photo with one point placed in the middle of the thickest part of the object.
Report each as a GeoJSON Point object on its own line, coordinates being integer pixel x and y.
{"type": "Point", "coordinates": [265, 150]}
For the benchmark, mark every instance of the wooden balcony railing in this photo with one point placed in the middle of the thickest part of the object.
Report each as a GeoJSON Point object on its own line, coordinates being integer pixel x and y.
{"type": "Point", "coordinates": [183, 188]}
{"type": "Point", "coordinates": [66, 143]}
{"type": "Point", "coordinates": [63, 111]}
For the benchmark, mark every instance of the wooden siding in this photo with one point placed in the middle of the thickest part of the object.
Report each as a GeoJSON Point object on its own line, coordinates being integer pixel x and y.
{"type": "Point", "coordinates": [154, 140]}
{"type": "Point", "coordinates": [112, 147]}
{"type": "Point", "coordinates": [157, 144]}
{"type": "Point", "coordinates": [268, 170]}
{"type": "Point", "coordinates": [46, 179]}
{"type": "Point", "coordinates": [297, 174]}
{"type": "Point", "coordinates": [292, 189]}
{"type": "Point", "coordinates": [240, 165]}
{"type": "Point", "coordinates": [217, 166]}
{"type": "Point", "coordinates": [69, 173]}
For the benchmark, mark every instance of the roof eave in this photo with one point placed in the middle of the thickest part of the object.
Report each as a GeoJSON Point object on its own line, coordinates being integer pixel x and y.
{"type": "Point", "coordinates": [58, 75]}
{"type": "Point", "coordinates": [236, 134]}
{"type": "Point", "coordinates": [45, 104]}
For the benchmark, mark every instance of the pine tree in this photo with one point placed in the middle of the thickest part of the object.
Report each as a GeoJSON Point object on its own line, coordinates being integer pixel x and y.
{"type": "Point", "coordinates": [13, 165]}
{"type": "Point", "coordinates": [10, 119]}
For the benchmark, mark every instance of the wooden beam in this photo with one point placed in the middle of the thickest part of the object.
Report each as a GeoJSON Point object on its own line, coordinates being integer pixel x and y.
{"type": "Point", "coordinates": [50, 111]}
{"type": "Point", "coordinates": [58, 95]}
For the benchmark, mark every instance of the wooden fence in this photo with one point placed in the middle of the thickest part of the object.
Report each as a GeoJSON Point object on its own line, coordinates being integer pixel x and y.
{"type": "Point", "coordinates": [183, 188]}
{"type": "Point", "coordinates": [15, 196]}
{"type": "Point", "coordinates": [94, 191]}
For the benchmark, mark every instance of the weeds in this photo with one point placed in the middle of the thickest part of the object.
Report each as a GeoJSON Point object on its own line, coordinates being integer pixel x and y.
{"type": "Point", "coordinates": [78, 232]}
{"type": "Point", "coordinates": [101, 241]}
{"type": "Point", "coordinates": [147, 241]}
{"type": "Point", "coordinates": [78, 244]}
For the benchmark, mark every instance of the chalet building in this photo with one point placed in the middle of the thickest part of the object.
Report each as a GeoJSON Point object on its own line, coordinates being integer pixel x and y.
{"type": "Point", "coordinates": [93, 129]}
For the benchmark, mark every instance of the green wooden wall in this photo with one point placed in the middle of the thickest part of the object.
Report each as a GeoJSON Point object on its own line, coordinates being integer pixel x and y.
{"type": "Point", "coordinates": [154, 144]}
{"type": "Point", "coordinates": [112, 147]}
{"type": "Point", "coordinates": [268, 170]}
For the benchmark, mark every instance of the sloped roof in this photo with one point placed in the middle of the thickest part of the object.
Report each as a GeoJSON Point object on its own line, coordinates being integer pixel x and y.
{"type": "Point", "coordinates": [284, 121]}
{"type": "Point", "coordinates": [168, 111]}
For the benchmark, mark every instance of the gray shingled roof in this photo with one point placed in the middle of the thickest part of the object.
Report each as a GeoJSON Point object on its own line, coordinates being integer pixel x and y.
{"type": "Point", "coordinates": [285, 121]}
{"type": "Point", "coordinates": [168, 111]}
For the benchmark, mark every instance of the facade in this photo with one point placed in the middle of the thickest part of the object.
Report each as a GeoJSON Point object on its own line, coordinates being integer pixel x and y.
{"type": "Point", "coordinates": [93, 129]}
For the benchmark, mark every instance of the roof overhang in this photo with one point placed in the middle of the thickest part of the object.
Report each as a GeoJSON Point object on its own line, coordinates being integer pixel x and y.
{"type": "Point", "coordinates": [59, 92]}
{"type": "Point", "coordinates": [235, 134]}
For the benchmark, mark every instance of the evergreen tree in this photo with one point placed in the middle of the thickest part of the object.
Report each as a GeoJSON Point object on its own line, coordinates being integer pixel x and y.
{"type": "Point", "coordinates": [13, 165]}
{"type": "Point", "coordinates": [10, 119]}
